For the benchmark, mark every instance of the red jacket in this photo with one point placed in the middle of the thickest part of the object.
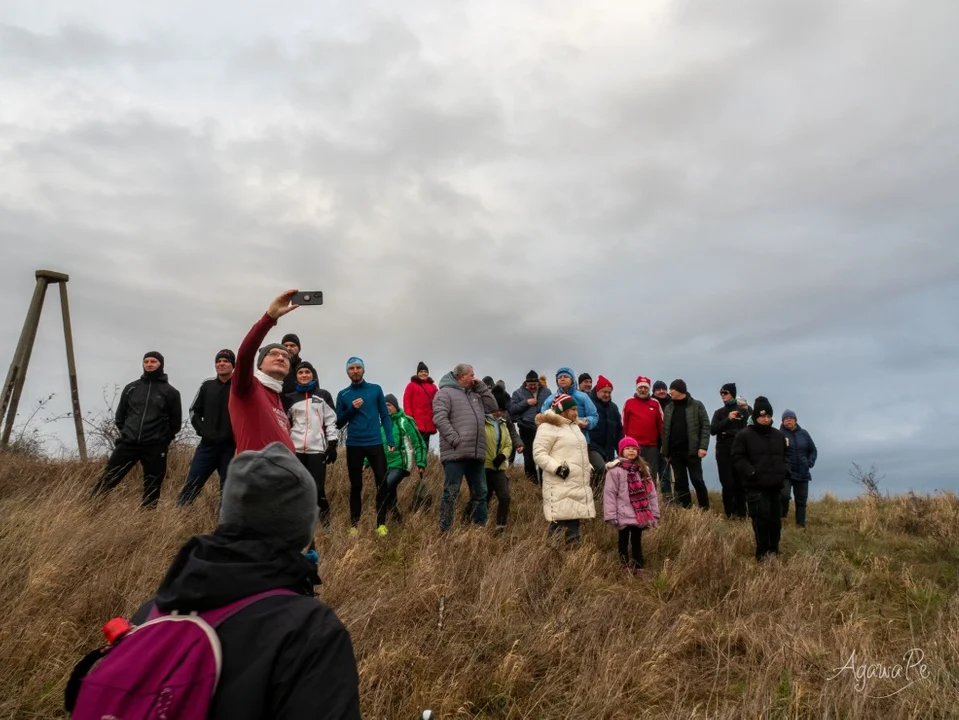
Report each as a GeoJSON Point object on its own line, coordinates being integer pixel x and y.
{"type": "Point", "coordinates": [256, 412]}
{"type": "Point", "coordinates": [418, 403]}
{"type": "Point", "coordinates": [643, 421]}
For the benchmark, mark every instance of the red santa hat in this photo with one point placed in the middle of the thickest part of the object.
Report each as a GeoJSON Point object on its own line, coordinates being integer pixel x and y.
{"type": "Point", "coordinates": [602, 383]}
{"type": "Point", "coordinates": [642, 380]}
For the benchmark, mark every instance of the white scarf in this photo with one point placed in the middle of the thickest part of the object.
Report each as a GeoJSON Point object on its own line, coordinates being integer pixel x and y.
{"type": "Point", "coordinates": [268, 382]}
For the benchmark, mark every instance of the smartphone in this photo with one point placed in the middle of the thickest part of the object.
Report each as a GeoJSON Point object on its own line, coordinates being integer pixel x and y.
{"type": "Point", "coordinates": [308, 297]}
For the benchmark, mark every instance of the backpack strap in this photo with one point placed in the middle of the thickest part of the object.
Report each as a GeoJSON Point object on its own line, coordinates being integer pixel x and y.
{"type": "Point", "coordinates": [218, 615]}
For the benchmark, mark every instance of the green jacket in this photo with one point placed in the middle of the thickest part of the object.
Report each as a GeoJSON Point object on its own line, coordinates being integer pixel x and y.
{"type": "Point", "coordinates": [505, 444]}
{"type": "Point", "coordinates": [410, 451]}
{"type": "Point", "coordinates": [697, 426]}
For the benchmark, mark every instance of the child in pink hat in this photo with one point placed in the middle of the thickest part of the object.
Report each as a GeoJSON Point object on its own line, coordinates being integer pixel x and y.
{"type": "Point", "coordinates": [630, 503]}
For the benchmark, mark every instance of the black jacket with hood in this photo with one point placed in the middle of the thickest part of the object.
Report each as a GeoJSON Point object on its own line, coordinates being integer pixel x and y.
{"type": "Point", "coordinates": [149, 411]}
{"type": "Point", "coordinates": [283, 657]}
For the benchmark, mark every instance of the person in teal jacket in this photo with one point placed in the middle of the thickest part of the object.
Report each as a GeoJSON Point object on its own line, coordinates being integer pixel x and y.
{"type": "Point", "coordinates": [409, 452]}
{"type": "Point", "coordinates": [566, 383]}
{"type": "Point", "coordinates": [361, 408]}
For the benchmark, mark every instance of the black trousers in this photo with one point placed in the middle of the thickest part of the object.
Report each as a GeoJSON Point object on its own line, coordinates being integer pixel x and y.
{"type": "Point", "coordinates": [801, 491]}
{"type": "Point", "coordinates": [426, 440]}
{"type": "Point", "coordinates": [354, 467]}
{"type": "Point", "coordinates": [528, 435]}
{"type": "Point", "coordinates": [124, 456]}
{"type": "Point", "coordinates": [631, 532]}
{"type": "Point", "coordinates": [764, 509]}
{"type": "Point", "coordinates": [684, 465]}
{"type": "Point", "coordinates": [497, 483]}
{"type": "Point", "coordinates": [650, 453]}
{"type": "Point", "coordinates": [207, 458]}
{"type": "Point", "coordinates": [734, 494]}
{"type": "Point", "coordinates": [315, 463]}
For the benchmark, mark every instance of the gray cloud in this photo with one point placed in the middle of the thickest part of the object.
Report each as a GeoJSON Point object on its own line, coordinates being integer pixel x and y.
{"type": "Point", "coordinates": [716, 192]}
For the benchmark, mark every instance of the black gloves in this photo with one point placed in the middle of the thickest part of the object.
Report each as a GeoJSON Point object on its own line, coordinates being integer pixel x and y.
{"type": "Point", "coordinates": [563, 471]}
{"type": "Point", "coordinates": [499, 460]}
{"type": "Point", "coordinates": [331, 452]}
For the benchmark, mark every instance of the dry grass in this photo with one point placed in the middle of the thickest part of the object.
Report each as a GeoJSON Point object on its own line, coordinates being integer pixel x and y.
{"type": "Point", "coordinates": [529, 631]}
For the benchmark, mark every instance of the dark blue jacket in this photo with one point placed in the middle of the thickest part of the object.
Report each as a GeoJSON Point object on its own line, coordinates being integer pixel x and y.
{"type": "Point", "coordinates": [364, 424]}
{"type": "Point", "coordinates": [605, 437]}
{"type": "Point", "coordinates": [802, 454]}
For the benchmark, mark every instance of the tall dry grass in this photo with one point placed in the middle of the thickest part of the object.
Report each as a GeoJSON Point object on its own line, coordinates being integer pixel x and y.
{"type": "Point", "coordinates": [529, 631]}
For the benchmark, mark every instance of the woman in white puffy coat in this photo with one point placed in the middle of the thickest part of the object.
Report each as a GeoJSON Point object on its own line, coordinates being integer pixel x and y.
{"type": "Point", "coordinates": [560, 450]}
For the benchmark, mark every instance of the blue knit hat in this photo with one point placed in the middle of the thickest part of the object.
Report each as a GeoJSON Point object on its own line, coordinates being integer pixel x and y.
{"type": "Point", "coordinates": [789, 414]}
{"type": "Point", "coordinates": [355, 361]}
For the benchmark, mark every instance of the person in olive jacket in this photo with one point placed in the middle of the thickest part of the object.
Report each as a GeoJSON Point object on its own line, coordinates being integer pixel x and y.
{"type": "Point", "coordinates": [759, 454]}
{"type": "Point", "coordinates": [148, 417]}
{"type": "Point", "coordinates": [685, 443]}
{"type": "Point", "coordinates": [801, 458]}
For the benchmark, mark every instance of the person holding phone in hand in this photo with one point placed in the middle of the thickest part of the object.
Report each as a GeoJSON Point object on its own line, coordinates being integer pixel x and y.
{"type": "Point", "coordinates": [257, 414]}
{"type": "Point", "coordinates": [726, 424]}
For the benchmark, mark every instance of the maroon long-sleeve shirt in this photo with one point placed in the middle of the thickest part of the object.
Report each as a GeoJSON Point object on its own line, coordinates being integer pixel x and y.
{"type": "Point", "coordinates": [256, 412]}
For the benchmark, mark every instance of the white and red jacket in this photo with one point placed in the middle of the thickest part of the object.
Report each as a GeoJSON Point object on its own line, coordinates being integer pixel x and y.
{"type": "Point", "coordinates": [312, 422]}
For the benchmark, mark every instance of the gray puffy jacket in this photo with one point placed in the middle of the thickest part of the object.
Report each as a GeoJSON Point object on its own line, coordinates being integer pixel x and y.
{"type": "Point", "coordinates": [460, 417]}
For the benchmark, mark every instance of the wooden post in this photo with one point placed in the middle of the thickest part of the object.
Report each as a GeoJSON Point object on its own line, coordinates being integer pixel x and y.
{"type": "Point", "coordinates": [17, 374]}
{"type": "Point", "coordinates": [21, 358]}
{"type": "Point", "coordinates": [72, 370]}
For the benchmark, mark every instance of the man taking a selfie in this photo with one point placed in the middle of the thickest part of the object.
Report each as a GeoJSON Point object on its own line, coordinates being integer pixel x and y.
{"type": "Point", "coordinates": [256, 404]}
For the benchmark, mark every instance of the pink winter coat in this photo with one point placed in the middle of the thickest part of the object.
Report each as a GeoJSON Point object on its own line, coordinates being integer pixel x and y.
{"type": "Point", "coordinates": [617, 508]}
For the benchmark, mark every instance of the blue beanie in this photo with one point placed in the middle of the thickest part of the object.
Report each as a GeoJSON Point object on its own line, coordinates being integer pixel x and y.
{"type": "Point", "coordinates": [355, 361]}
{"type": "Point", "coordinates": [566, 371]}
{"type": "Point", "coordinates": [789, 414]}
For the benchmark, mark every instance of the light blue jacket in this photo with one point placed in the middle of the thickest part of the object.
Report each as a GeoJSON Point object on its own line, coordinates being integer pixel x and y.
{"type": "Point", "coordinates": [587, 410]}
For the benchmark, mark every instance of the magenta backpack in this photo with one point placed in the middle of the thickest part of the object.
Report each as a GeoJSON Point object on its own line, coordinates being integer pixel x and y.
{"type": "Point", "coordinates": [167, 668]}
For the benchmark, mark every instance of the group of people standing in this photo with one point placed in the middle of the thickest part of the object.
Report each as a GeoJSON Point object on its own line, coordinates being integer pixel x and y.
{"type": "Point", "coordinates": [267, 393]}
{"type": "Point", "coordinates": [270, 431]}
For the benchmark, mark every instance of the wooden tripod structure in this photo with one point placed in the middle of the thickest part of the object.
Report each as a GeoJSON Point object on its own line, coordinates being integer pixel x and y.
{"type": "Point", "coordinates": [17, 374]}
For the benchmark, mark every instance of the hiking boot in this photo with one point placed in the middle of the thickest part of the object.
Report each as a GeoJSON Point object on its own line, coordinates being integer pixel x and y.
{"type": "Point", "coordinates": [641, 574]}
{"type": "Point", "coordinates": [382, 530]}
{"type": "Point", "coordinates": [499, 530]}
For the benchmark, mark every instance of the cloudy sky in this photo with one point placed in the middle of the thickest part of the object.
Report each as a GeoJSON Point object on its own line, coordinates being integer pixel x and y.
{"type": "Point", "coordinates": [737, 190]}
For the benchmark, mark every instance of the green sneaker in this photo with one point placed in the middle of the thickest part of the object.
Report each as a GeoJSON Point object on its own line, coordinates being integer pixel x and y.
{"type": "Point", "coordinates": [353, 532]}
{"type": "Point", "coordinates": [381, 530]}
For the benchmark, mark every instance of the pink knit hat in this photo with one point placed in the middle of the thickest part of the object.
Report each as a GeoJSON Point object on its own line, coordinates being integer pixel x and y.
{"type": "Point", "coordinates": [625, 443]}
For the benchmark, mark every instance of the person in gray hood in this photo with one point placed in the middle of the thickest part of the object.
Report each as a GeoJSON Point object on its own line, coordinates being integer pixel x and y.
{"type": "Point", "coordinates": [459, 412]}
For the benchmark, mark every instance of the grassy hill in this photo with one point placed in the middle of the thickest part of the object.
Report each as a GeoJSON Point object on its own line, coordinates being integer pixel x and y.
{"type": "Point", "coordinates": [529, 631]}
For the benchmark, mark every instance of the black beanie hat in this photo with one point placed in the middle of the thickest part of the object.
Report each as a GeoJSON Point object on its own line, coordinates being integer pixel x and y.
{"type": "Point", "coordinates": [421, 366]}
{"type": "Point", "coordinates": [583, 376]}
{"type": "Point", "coordinates": [532, 376]}
{"type": "Point", "coordinates": [227, 355]}
{"type": "Point", "coordinates": [391, 399]}
{"type": "Point", "coordinates": [659, 385]}
{"type": "Point", "coordinates": [488, 381]}
{"type": "Point", "coordinates": [290, 337]}
{"type": "Point", "coordinates": [762, 407]}
{"type": "Point", "coordinates": [679, 386]}
{"type": "Point", "coordinates": [730, 388]}
{"type": "Point", "coordinates": [309, 367]}
{"type": "Point", "coordinates": [154, 354]}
